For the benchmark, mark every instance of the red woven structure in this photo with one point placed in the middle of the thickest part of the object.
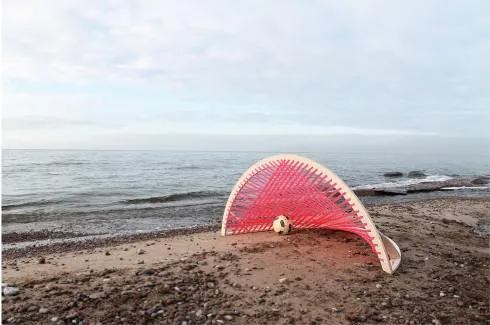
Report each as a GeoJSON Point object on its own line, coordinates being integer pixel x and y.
{"type": "Point", "coordinates": [309, 194]}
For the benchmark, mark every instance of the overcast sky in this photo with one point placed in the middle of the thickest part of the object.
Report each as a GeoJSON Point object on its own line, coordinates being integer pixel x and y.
{"type": "Point", "coordinates": [85, 73]}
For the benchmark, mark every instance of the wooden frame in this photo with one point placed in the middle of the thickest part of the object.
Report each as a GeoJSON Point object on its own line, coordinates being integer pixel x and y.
{"type": "Point", "coordinates": [314, 197]}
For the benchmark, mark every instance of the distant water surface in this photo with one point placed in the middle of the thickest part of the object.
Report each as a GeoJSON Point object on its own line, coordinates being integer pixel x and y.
{"type": "Point", "coordinates": [109, 192]}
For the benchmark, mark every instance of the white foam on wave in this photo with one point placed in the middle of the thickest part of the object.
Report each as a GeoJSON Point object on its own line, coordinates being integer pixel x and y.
{"type": "Point", "coordinates": [466, 188]}
{"type": "Point", "coordinates": [405, 182]}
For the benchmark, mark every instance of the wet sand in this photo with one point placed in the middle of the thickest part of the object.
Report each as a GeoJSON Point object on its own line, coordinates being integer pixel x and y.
{"type": "Point", "coordinates": [307, 277]}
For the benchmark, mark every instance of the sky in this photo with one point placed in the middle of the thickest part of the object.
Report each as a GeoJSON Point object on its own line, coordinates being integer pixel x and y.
{"type": "Point", "coordinates": [164, 74]}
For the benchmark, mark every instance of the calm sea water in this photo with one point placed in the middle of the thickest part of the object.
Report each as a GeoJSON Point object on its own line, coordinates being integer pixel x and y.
{"type": "Point", "coordinates": [109, 192]}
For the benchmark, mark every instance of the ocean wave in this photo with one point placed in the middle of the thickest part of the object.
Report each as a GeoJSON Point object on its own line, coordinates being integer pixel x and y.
{"type": "Point", "coordinates": [406, 182]}
{"type": "Point", "coordinates": [115, 213]}
{"type": "Point", "coordinates": [40, 203]}
{"type": "Point", "coordinates": [175, 197]}
{"type": "Point", "coordinates": [60, 163]}
{"type": "Point", "coordinates": [188, 167]}
{"type": "Point", "coordinates": [452, 188]}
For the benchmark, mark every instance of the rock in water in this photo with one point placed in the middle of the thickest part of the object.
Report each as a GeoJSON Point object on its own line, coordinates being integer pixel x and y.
{"type": "Point", "coordinates": [393, 191]}
{"type": "Point", "coordinates": [482, 180]}
{"type": "Point", "coordinates": [416, 174]}
{"type": "Point", "coordinates": [393, 174]}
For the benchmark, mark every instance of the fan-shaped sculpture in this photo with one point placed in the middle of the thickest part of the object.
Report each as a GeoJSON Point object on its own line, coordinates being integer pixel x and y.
{"type": "Point", "coordinates": [308, 193]}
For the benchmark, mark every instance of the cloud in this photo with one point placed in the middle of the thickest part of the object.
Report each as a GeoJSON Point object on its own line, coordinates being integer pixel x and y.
{"type": "Point", "coordinates": [41, 122]}
{"type": "Point", "coordinates": [273, 66]}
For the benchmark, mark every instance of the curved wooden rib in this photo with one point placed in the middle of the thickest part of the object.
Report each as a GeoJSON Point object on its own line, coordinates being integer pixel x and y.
{"type": "Point", "coordinates": [311, 195]}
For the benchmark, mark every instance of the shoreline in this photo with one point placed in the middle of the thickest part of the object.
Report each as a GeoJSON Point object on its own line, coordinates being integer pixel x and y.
{"type": "Point", "coordinates": [36, 243]}
{"type": "Point", "coordinates": [92, 243]}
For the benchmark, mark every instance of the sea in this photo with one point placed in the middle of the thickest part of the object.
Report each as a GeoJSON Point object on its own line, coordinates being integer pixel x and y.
{"type": "Point", "coordinates": [112, 192]}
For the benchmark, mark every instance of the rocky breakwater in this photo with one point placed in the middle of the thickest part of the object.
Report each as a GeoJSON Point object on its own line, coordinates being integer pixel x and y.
{"type": "Point", "coordinates": [425, 186]}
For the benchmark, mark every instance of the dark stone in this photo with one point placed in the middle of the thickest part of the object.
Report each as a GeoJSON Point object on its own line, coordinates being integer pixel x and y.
{"type": "Point", "coordinates": [416, 174]}
{"type": "Point", "coordinates": [393, 174]}
{"type": "Point", "coordinates": [367, 192]}
{"type": "Point", "coordinates": [393, 191]}
{"type": "Point", "coordinates": [482, 180]}
{"type": "Point", "coordinates": [147, 272]}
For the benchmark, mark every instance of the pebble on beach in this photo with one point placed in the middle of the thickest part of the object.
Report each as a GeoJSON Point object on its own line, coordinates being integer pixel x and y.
{"type": "Point", "coordinates": [10, 291]}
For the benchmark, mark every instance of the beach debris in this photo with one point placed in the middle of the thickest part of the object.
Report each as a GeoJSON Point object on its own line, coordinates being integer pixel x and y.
{"type": "Point", "coordinates": [210, 285]}
{"type": "Point", "coordinates": [32, 308]}
{"type": "Point", "coordinates": [49, 287]}
{"type": "Point", "coordinates": [442, 294]}
{"type": "Point", "coordinates": [282, 280]}
{"type": "Point", "coordinates": [41, 260]}
{"type": "Point", "coordinates": [72, 314]}
{"type": "Point", "coordinates": [140, 251]}
{"type": "Point", "coordinates": [378, 286]}
{"type": "Point", "coordinates": [54, 319]}
{"type": "Point", "coordinates": [147, 272]}
{"type": "Point", "coordinates": [97, 295]}
{"type": "Point", "coordinates": [435, 320]}
{"type": "Point", "coordinates": [43, 310]}
{"type": "Point", "coordinates": [107, 253]}
{"type": "Point", "coordinates": [10, 291]}
{"type": "Point", "coordinates": [228, 317]}
{"type": "Point", "coordinates": [155, 314]}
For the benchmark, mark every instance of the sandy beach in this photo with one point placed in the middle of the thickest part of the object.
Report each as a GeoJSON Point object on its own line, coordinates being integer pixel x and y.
{"type": "Point", "coordinates": [307, 277]}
